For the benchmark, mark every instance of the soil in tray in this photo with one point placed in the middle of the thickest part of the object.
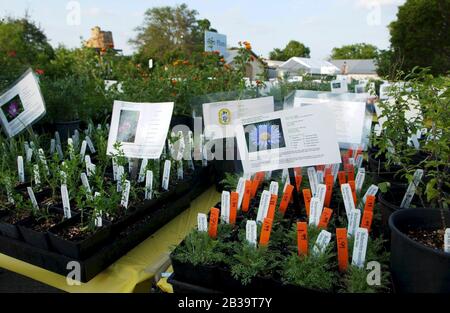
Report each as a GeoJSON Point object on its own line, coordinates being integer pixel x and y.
{"type": "Point", "coordinates": [431, 238]}
{"type": "Point", "coordinates": [13, 217]}
{"type": "Point", "coordinates": [43, 225]}
{"type": "Point", "coordinates": [74, 233]}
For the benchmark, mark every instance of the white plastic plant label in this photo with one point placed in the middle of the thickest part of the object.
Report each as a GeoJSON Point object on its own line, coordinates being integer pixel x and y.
{"type": "Point", "coordinates": [202, 222]}
{"type": "Point", "coordinates": [166, 175]}
{"type": "Point", "coordinates": [322, 242]}
{"type": "Point", "coordinates": [125, 194]}
{"type": "Point", "coordinates": [359, 160]}
{"type": "Point", "coordinates": [83, 149]}
{"type": "Point", "coordinates": [70, 147]}
{"type": "Point", "coordinates": [142, 170]}
{"type": "Point", "coordinates": [43, 160]}
{"type": "Point", "coordinates": [20, 169]}
{"type": "Point", "coordinates": [320, 193]}
{"type": "Point", "coordinates": [315, 211]}
{"type": "Point", "coordinates": [63, 177]}
{"type": "Point", "coordinates": [240, 190]}
{"type": "Point", "coordinates": [406, 202]}
{"type": "Point", "coordinates": [319, 177]}
{"type": "Point", "coordinates": [120, 174]}
{"type": "Point", "coordinates": [29, 154]}
{"type": "Point", "coordinates": [37, 176]}
{"type": "Point", "coordinates": [85, 182]}
{"type": "Point", "coordinates": [32, 198]}
{"type": "Point", "coordinates": [354, 222]}
{"type": "Point", "coordinates": [60, 152]}
{"type": "Point", "coordinates": [312, 176]}
{"type": "Point", "coordinates": [180, 169]}
{"type": "Point", "coordinates": [115, 166]}
{"type": "Point", "coordinates": [225, 207]}
{"type": "Point", "coordinates": [90, 144]}
{"type": "Point", "coordinates": [372, 190]}
{"type": "Point", "coordinates": [359, 180]}
{"type": "Point", "coordinates": [285, 175]}
{"type": "Point", "coordinates": [91, 170]}
{"type": "Point", "coordinates": [360, 247]}
{"type": "Point", "coordinates": [447, 240]}
{"type": "Point", "coordinates": [65, 201]}
{"type": "Point", "coordinates": [87, 161]}
{"type": "Point", "coordinates": [57, 138]}
{"type": "Point", "coordinates": [251, 232]}
{"type": "Point", "coordinates": [274, 188]}
{"type": "Point", "coordinates": [76, 137]}
{"type": "Point", "coordinates": [263, 206]}
{"type": "Point", "coordinates": [98, 217]}
{"type": "Point", "coordinates": [335, 171]}
{"type": "Point", "coordinates": [347, 195]}
{"type": "Point", "coordinates": [52, 146]}
{"type": "Point", "coordinates": [148, 185]}
{"type": "Point", "coordinates": [351, 161]}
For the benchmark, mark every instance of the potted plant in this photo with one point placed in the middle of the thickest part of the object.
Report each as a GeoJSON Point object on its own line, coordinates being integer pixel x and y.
{"type": "Point", "coordinates": [418, 260]}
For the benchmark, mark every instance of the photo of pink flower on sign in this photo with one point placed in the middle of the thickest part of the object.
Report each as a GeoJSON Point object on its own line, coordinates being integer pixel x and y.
{"type": "Point", "coordinates": [12, 108]}
{"type": "Point", "coordinates": [128, 121]}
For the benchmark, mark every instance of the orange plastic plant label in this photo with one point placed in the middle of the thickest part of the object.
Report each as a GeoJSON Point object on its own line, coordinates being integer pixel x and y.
{"type": "Point", "coordinates": [234, 200]}
{"type": "Point", "coordinates": [213, 221]}
{"type": "Point", "coordinates": [325, 218]}
{"type": "Point", "coordinates": [329, 182]}
{"type": "Point", "coordinates": [286, 198]}
{"type": "Point", "coordinates": [302, 238]}
{"type": "Point", "coordinates": [265, 231]}
{"type": "Point", "coordinates": [298, 171]}
{"type": "Point", "coordinates": [298, 182]}
{"type": "Point", "coordinates": [342, 178]}
{"type": "Point", "coordinates": [342, 248]}
{"type": "Point", "coordinates": [307, 198]}
{"type": "Point", "coordinates": [272, 206]}
{"type": "Point", "coordinates": [353, 188]}
{"type": "Point", "coordinates": [370, 203]}
{"type": "Point", "coordinates": [247, 196]}
{"type": "Point", "coordinates": [366, 220]}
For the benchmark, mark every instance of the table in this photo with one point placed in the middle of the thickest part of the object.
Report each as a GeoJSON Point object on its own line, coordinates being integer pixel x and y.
{"type": "Point", "coordinates": [135, 270]}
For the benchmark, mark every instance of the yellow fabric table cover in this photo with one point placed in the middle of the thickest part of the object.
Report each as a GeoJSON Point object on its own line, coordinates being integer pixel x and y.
{"type": "Point", "coordinates": [137, 266]}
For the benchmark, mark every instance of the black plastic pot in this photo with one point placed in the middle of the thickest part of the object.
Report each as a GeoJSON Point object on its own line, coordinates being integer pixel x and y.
{"type": "Point", "coordinates": [78, 249]}
{"type": "Point", "coordinates": [183, 287]}
{"type": "Point", "coordinates": [35, 238]}
{"type": "Point", "coordinates": [415, 267]}
{"type": "Point", "coordinates": [66, 129]}
{"type": "Point", "coordinates": [389, 202]}
{"type": "Point", "coordinates": [7, 229]}
{"type": "Point", "coordinates": [206, 276]}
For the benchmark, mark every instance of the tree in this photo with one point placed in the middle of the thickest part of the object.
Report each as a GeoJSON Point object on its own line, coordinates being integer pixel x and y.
{"type": "Point", "coordinates": [170, 33]}
{"type": "Point", "coordinates": [355, 51]}
{"type": "Point", "coordinates": [421, 35]}
{"type": "Point", "coordinates": [292, 49]}
{"type": "Point", "coordinates": [22, 45]}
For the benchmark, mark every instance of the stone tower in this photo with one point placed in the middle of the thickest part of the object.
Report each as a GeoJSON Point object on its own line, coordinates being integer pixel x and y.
{"type": "Point", "coordinates": [100, 39]}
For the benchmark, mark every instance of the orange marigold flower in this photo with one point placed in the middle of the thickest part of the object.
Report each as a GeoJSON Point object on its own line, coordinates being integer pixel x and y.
{"type": "Point", "coordinates": [216, 52]}
{"type": "Point", "coordinates": [174, 81]}
{"type": "Point", "coordinates": [39, 71]}
{"type": "Point", "coordinates": [222, 60]}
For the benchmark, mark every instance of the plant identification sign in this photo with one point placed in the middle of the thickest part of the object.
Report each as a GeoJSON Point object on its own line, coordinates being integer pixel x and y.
{"type": "Point", "coordinates": [298, 137]}
{"type": "Point", "coordinates": [221, 117]}
{"type": "Point", "coordinates": [350, 117]}
{"type": "Point", "coordinates": [141, 128]}
{"type": "Point", "coordinates": [21, 105]}
{"type": "Point", "coordinates": [215, 42]}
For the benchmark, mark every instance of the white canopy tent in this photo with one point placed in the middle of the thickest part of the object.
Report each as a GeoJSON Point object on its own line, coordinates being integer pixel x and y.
{"type": "Point", "coordinates": [312, 66]}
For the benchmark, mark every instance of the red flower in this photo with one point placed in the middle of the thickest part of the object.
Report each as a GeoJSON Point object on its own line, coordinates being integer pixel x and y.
{"type": "Point", "coordinates": [12, 53]}
{"type": "Point", "coordinates": [216, 52]}
{"type": "Point", "coordinates": [39, 71]}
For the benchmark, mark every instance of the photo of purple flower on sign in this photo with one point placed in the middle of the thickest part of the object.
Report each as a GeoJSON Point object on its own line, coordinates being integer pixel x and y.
{"type": "Point", "coordinates": [128, 121]}
{"type": "Point", "coordinates": [265, 135]}
{"type": "Point", "coordinates": [12, 108]}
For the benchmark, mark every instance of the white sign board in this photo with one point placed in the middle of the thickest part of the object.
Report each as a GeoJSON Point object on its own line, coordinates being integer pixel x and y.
{"type": "Point", "coordinates": [141, 128]}
{"type": "Point", "coordinates": [339, 86]}
{"type": "Point", "coordinates": [221, 117]}
{"type": "Point", "coordinates": [297, 137]}
{"type": "Point", "coordinates": [216, 42]}
{"type": "Point", "coordinates": [21, 105]}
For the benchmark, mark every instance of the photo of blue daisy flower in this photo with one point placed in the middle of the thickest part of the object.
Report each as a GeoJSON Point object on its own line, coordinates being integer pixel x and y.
{"type": "Point", "coordinates": [265, 135]}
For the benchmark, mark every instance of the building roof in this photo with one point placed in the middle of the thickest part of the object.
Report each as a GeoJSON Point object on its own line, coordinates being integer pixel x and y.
{"type": "Point", "coordinates": [361, 66]}
{"type": "Point", "coordinates": [273, 63]}
{"type": "Point", "coordinates": [314, 66]}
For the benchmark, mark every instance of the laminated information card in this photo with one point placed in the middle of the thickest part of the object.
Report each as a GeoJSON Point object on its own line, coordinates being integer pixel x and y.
{"type": "Point", "coordinates": [21, 105]}
{"type": "Point", "coordinates": [298, 137]}
{"type": "Point", "coordinates": [141, 128]}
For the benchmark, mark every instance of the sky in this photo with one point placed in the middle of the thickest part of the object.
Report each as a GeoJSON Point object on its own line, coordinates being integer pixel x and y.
{"type": "Point", "coordinates": [319, 24]}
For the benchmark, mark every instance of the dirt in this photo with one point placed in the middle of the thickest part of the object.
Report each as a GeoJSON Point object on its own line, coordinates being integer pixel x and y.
{"type": "Point", "coordinates": [73, 233]}
{"type": "Point", "coordinates": [45, 224]}
{"type": "Point", "coordinates": [431, 238]}
{"type": "Point", "coordinates": [14, 218]}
